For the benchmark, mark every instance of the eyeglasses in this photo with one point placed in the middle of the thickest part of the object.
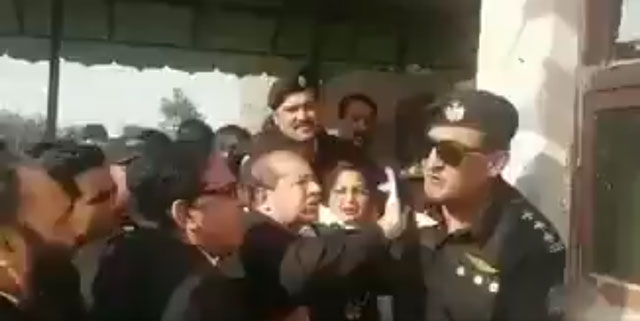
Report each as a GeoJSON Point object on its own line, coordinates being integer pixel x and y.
{"type": "Point", "coordinates": [230, 191]}
{"type": "Point", "coordinates": [450, 152]}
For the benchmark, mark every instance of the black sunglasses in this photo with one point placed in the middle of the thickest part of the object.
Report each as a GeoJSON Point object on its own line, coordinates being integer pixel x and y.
{"type": "Point", "coordinates": [450, 152]}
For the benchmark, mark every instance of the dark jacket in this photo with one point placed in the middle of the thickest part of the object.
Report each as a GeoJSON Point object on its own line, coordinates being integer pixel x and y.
{"type": "Point", "coordinates": [284, 270]}
{"type": "Point", "coordinates": [10, 311]}
{"type": "Point", "coordinates": [503, 268]}
{"type": "Point", "coordinates": [54, 286]}
{"type": "Point", "coordinates": [210, 293]}
{"type": "Point", "coordinates": [354, 300]}
{"type": "Point", "coordinates": [137, 274]}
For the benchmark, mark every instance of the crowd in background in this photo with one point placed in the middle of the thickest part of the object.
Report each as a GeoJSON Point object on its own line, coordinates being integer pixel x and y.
{"type": "Point", "coordinates": [288, 224]}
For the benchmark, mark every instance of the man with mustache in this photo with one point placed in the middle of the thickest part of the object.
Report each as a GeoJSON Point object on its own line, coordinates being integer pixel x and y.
{"type": "Point", "coordinates": [359, 115]}
{"type": "Point", "coordinates": [296, 121]}
{"type": "Point", "coordinates": [492, 255]}
{"type": "Point", "coordinates": [284, 270]}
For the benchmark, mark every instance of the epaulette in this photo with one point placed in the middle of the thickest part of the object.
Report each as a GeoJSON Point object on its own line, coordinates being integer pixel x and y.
{"type": "Point", "coordinates": [540, 226]}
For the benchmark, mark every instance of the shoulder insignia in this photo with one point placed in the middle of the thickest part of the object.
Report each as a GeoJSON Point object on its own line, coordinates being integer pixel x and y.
{"type": "Point", "coordinates": [527, 216]}
{"type": "Point", "coordinates": [549, 237]}
{"type": "Point", "coordinates": [539, 225]}
{"type": "Point", "coordinates": [556, 247]}
{"type": "Point", "coordinates": [481, 265]}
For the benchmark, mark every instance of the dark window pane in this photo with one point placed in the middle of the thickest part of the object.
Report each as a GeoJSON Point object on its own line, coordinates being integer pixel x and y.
{"type": "Point", "coordinates": [617, 194]}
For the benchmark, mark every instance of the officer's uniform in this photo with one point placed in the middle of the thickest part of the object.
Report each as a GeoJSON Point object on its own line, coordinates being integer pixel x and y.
{"type": "Point", "coordinates": [328, 149]}
{"type": "Point", "coordinates": [502, 268]}
{"type": "Point", "coordinates": [511, 258]}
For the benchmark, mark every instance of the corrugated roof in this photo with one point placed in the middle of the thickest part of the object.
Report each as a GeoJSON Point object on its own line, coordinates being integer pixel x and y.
{"type": "Point", "coordinates": [441, 34]}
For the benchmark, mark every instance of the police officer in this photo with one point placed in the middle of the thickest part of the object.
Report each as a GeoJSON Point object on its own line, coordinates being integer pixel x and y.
{"type": "Point", "coordinates": [492, 255]}
{"type": "Point", "coordinates": [296, 121]}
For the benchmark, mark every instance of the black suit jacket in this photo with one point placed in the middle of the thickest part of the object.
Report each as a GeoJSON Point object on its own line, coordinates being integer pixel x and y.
{"type": "Point", "coordinates": [138, 273]}
{"type": "Point", "coordinates": [11, 312]}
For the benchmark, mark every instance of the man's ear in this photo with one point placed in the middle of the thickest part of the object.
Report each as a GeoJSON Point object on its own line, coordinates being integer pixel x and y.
{"type": "Point", "coordinates": [262, 199]}
{"type": "Point", "coordinates": [180, 213]}
{"type": "Point", "coordinates": [498, 162]}
{"type": "Point", "coordinates": [275, 119]}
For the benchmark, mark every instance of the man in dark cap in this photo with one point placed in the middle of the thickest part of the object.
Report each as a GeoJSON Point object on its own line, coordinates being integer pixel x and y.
{"type": "Point", "coordinates": [492, 255]}
{"type": "Point", "coordinates": [296, 121]}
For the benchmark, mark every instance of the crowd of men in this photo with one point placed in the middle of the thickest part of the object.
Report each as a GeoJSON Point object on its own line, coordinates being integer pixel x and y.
{"type": "Point", "coordinates": [290, 224]}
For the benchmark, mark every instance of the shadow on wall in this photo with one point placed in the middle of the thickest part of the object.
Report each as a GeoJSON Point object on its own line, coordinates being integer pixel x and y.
{"type": "Point", "coordinates": [546, 178]}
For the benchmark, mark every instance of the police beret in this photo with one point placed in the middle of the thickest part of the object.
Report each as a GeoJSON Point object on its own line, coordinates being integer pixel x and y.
{"type": "Point", "coordinates": [487, 112]}
{"type": "Point", "coordinates": [301, 81]}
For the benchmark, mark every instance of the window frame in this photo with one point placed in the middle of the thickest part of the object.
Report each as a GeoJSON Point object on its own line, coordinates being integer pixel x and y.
{"type": "Point", "coordinates": [601, 22]}
{"type": "Point", "coordinates": [607, 81]}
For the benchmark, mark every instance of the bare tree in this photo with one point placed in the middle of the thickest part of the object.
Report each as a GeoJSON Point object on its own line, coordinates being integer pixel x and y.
{"type": "Point", "coordinates": [177, 109]}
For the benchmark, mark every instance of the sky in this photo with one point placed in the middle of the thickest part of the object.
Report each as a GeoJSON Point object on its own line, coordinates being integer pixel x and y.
{"type": "Point", "coordinates": [117, 96]}
{"type": "Point", "coordinates": [630, 21]}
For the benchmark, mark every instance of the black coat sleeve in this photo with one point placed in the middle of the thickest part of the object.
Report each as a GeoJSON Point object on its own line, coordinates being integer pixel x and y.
{"type": "Point", "coordinates": [302, 265]}
{"type": "Point", "coordinates": [118, 285]}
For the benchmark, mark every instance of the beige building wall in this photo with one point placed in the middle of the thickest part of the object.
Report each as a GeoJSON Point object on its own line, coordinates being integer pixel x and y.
{"type": "Point", "coordinates": [529, 53]}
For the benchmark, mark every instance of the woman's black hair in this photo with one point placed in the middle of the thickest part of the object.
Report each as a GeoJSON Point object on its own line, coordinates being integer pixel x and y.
{"type": "Point", "coordinates": [330, 177]}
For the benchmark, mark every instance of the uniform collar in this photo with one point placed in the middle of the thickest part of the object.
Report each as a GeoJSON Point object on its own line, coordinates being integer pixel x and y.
{"type": "Point", "coordinates": [484, 223]}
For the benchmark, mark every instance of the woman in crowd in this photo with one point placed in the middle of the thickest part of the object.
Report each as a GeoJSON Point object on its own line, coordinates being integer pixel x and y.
{"type": "Point", "coordinates": [350, 197]}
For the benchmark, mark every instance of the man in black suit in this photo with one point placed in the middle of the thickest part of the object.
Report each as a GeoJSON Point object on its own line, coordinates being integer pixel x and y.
{"type": "Point", "coordinates": [192, 219]}
{"type": "Point", "coordinates": [284, 271]}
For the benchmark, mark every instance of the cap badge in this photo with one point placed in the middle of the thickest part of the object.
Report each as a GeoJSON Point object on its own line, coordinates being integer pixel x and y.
{"type": "Point", "coordinates": [454, 112]}
{"type": "Point", "coordinates": [302, 81]}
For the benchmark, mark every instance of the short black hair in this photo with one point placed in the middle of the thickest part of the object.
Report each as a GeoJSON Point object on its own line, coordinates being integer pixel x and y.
{"type": "Point", "coordinates": [156, 180]}
{"type": "Point", "coordinates": [195, 130]}
{"type": "Point", "coordinates": [66, 161]}
{"type": "Point", "coordinates": [234, 130]}
{"type": "Point", "coordinates": [347, 100]}
{"type": "Point", "coordinates": [242, 135]}
{"type": "Point", "coordinates": [9, 187]}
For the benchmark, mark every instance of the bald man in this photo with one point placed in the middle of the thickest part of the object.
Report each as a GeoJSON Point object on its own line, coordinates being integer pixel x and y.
{"type": "Point", "coordinates": [284, 270]}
